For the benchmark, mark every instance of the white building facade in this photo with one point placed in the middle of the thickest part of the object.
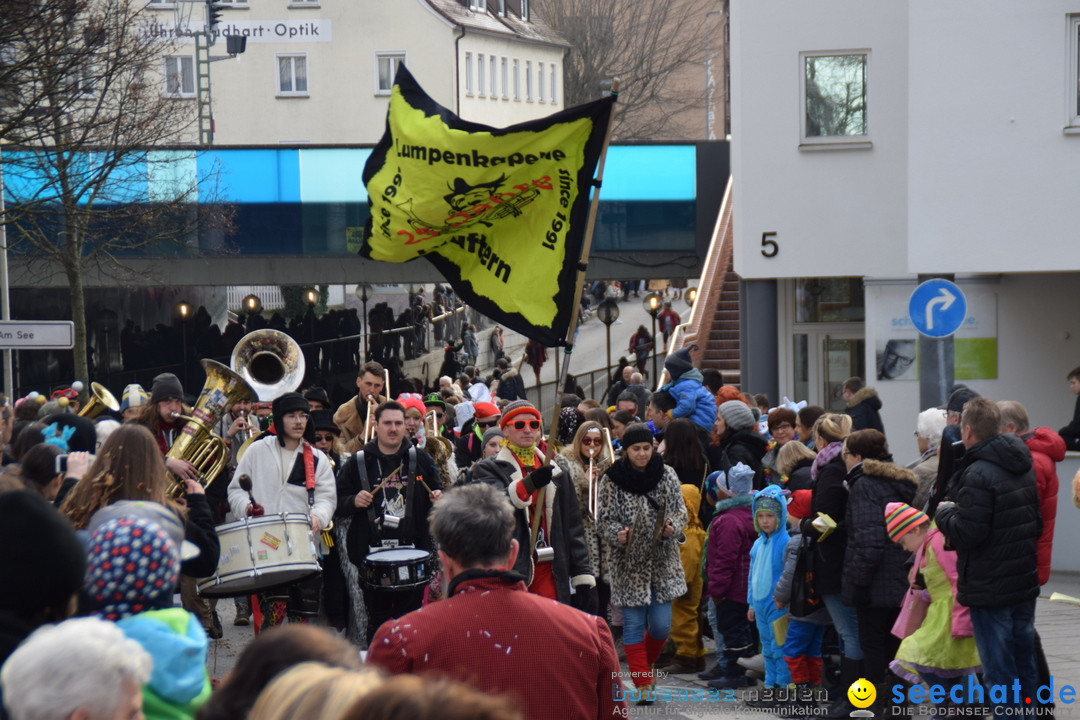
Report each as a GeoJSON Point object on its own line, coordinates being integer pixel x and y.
{"type": "Point", "coordinates": [320, 71]}
{"type": "Point", "coordinates": [874, 142]}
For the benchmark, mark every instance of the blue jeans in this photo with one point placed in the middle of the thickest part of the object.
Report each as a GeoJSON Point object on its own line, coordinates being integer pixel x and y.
{"type": "Point", "coordinates": [846, 622]}
{"type": "Point", "coordinates": [1005, 637]}
{"type": "Point", "coordinates": [655, 616]}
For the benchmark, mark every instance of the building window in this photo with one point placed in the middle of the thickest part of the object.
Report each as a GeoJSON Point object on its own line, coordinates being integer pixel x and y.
{"type": "Point", "coordinates": [481, 80]}
{"type": "Point", "coordinates": [525, 10]}
{"type": "Point", "coordinates": [468, 74]}
{"type": "Point", "coordinates": [292, 75]}
{"type": "Point", "coordinates": [540, 81]}
{"type": "Point", "coordinates": [528, 81]}
{"type": "Point", "coordinates": [386, 65]}
{"type": "Point", "coordinates": [477, 5]}
{"type": "Point", "coordinates": [180, 76]}
{"type": "Point", "coordinates": [505, 80]}
{"type": "Point", "coordinates": [1074, 72]}
{"type": "Point", "coordinates": [302, 3]}
{"type": "Point", "coordinates": [517, 79]}
{"type": "Point", "coordinates": [160, 4]}
{"type": "Point", "coordinates": [554, 95]}
{"type": "Point", "coordinates": [493, 67]}
{"type": "Point", "coordinates": [835, 98]}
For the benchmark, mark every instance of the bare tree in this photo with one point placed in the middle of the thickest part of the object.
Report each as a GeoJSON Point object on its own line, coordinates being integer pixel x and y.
{"type": "Point", "coordinates": [90, 125]}
{"type": "Point", "coordinates": [652, 47]}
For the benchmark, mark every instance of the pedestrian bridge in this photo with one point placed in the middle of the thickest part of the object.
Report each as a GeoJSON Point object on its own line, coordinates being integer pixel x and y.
{"type": "Point", "coordinates": [300, 213]}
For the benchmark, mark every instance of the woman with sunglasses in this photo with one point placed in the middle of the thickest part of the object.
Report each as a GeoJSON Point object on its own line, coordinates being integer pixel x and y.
{"type": "Point", "coordinates": [553, 556]}
{"type": "Point", "coordinates": [641, 517]}
{"type": "Point", "coordinates": [328, 437]}
{"type": "Point", "coordinates": [584, 461]}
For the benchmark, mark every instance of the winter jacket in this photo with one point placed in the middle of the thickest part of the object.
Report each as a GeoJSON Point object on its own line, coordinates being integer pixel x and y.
{"type": "Point", "coordinates": [261, 463]}
{"type": "Point", "coordinates": [174, 638]}
{"type": "Point", "coordinates": [1071, 432]}
{"type": "Point", "coordinates": [994, 524]}
{"type": "Point", "coordinates": [727, 555]}
{"type": "Point", "coordinates": [693, 400]}
{"type": "Point", "coordinates": [800, 479]}
{"type": "Point", "coordinates": [350, 418]}
{"type": "Point", "coordinates": [925, 469]}
{"type": "Point", "coordinates": [576, 470]}
{"type": "Point", "coordinates": [831, 498]}
{"type": "Point", "coordinates": [562, 517]}
{"type": "Point", "coordinates": [468, 448]}
{"type": "Point", "coordinates": [1047, 450]}
{"type": "Point", "coordinates": [782, 591]}
{"type": "Point", "coordinates": [742, 446]}
{"type": "Point", "coordinates": [767, 552]}
{"type": "Point", "coordinates": [863, 408]}
{"type": "Point", "coordinates": [643, 573]}
{"type": "Point", "coordinates": [874, 567]}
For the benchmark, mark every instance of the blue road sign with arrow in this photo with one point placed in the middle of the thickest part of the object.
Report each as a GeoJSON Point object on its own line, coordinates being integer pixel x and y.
{"type": "Point", "coordinates": [937, 308]}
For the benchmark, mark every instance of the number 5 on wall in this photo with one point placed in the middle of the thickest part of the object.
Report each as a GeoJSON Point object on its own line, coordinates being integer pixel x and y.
{"type": "Point", "coordinates": [769, 246]}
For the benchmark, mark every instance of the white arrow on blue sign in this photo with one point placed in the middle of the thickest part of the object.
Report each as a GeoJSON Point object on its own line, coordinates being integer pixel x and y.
{"type": "Point", "coordinates": [937, 308]}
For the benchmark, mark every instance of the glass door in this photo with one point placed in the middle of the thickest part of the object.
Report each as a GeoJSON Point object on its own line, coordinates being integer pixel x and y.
{"type": "Point", "coordinates": [821, 361]}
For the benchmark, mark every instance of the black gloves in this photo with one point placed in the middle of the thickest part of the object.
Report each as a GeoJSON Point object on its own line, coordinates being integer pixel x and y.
{"type": "Point", "coordinates": [538, 478]}
{"type": "Point", "coordinates": [585, 599]}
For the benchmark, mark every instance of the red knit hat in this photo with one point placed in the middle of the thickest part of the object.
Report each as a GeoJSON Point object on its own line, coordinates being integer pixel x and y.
{"type": "Point", "coordinates": [485, 409]}
{"type": "Point", "coordinates": [517, 409]}
{"type": "Point", "coordinates": [799, 504]}
{"type": "Point", "coordinates": [412, 401]}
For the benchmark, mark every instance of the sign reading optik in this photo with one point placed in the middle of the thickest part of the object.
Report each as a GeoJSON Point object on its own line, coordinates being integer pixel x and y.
{"type": "Point", "coordinates": [257, 31]}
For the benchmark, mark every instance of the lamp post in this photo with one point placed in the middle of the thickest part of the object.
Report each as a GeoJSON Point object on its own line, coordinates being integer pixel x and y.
{"type": "Point", "coordinates": [652, 303]}
{"type": "Point", "coordinates": [183, 311]}
{"type": "Point", "coordinates": [364, 292]}
{"type": "Point", "coordinates": [690, 296]}
{"type": "Point", "coordinates": [252, 305]}
{"type": "Point", "coordinates": [608, 312]}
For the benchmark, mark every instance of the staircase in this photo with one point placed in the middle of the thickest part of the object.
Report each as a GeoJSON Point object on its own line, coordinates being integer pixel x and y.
{"type": "Point", "coordinates": [714, 321]}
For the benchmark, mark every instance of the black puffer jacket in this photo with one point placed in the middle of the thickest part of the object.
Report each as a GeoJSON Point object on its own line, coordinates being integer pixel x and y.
{"type": "Point", "coordinates": [874, 571]}
{"type": "Point", "coordinates": [742, 446]}
{"type": "Point", "coordinates": [995, 524]}
{"type": "Point", "coordinates": [830, 497]}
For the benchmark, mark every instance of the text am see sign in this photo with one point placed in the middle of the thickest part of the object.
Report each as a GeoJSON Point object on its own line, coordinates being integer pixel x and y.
{"type": "Point", "coordinates": [37, 335]}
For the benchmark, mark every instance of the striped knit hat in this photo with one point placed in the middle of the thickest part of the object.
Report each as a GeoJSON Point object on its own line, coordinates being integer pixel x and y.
{"type": "Point", "coordinates": [901, 518]}
{"type": "Point", "coordinates": [518, 409]}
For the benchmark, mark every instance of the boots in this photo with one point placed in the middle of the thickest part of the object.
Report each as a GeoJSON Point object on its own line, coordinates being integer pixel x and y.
{"type": "Point", "coordinates": [637, 659]}
{"type": "Point", "coordinates": [850, 671]}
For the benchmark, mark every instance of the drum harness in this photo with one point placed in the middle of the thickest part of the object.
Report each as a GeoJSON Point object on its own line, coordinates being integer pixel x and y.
{"type": "Point", "coordinates": [374, 513]}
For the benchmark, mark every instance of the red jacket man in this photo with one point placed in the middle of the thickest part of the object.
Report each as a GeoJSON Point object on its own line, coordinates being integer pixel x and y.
{"type": "Point", "coordinates": [552, 660]}
{"type": "Point", "coordinates": [1047, 450]}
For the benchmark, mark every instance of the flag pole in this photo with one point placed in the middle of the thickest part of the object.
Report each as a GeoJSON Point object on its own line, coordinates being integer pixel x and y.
{"type": "Point", "coordinates": [579, 285]}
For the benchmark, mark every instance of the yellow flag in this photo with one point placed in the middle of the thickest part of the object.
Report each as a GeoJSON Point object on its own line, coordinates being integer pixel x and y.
{"type": "Point", "coordinates": [501, 212]}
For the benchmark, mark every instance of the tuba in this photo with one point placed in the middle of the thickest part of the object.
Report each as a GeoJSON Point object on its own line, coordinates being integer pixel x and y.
{"type": "Point", "coordinates": [197, 442]}
{"type": "Point", "coordinates": [100, 401]}
{"type": "Point", "coordinates": [270, 361]}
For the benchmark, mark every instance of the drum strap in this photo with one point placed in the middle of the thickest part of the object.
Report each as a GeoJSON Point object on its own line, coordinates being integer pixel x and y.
{"type": "Point", "coordinates": [309, 474]}
{"type": "Point", "coordinates": [365, 484]}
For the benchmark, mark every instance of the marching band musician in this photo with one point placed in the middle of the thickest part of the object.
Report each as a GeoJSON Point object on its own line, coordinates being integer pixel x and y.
{"type": "Point", "coordinates": [558, 559]}
{"type": "Point", "coordinates": [166, 401]}
{"type": "Point", "coordinates": [288, 475]}
{"type": "Point", "coordinates": [434, 402]}
{"type": "Point", "coordinates": [353, 414]}
{"type": "Point", "coordinates": [385, 493]}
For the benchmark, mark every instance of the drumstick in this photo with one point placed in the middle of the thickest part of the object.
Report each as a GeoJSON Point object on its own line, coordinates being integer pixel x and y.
{"type": "Point", "coordinates": [388, 477]}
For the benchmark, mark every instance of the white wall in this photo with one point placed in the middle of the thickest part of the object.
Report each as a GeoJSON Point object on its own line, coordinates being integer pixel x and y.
{"type": "Point", "coordinates": [837, 212]}
{"type": "Point", "coordinates": [497, 111]}
{"type": "Point", "coordinates": [1038, 344]}
{"type": "Point", "coordinates": [990, 170]}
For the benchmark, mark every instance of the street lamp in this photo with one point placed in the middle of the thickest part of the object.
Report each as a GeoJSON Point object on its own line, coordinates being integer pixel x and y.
{"type": "Point", "coordinates": [608, 312]}
{"type": "Point", "coordinates": [652, 303]}
{"type": "Point", "coordinates": [252, 305]}
{"type": "Point", "coordinates": [311, 297]}
{"type": "Point", "coordinates": [364, 291]}
{"type": "Point", "coordinates": [690, 296]}
{"type": "Point", "coordinates": [183, 311]}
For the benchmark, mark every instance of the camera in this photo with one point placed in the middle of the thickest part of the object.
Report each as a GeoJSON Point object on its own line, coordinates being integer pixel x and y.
{"type": "Point", "coordinates": [60, 464]}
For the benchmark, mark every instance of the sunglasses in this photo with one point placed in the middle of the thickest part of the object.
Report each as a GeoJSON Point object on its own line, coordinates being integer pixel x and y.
{"type": "Point", "coordinates": [493, 423]}
{"type": "Point", "coordinates": [591, 441]}
{"type": "Point", "coordinates": [319, 437]}
{"type": "Point", "coordinates": [521, 424]}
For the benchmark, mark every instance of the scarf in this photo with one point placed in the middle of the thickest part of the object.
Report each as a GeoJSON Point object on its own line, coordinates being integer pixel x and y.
{"type": "Point", "coordinates": [526, 457]}
{"type": "Point", "coordinates": [827, 454]}
{"type": "Point", "coordinates": [637, 482]}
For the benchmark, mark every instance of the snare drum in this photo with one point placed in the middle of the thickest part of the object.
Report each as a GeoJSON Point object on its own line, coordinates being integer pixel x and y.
{"type": "Point", "coordinates": [402, 568]}
{"type": "Point", "coordinates": [261, 552]}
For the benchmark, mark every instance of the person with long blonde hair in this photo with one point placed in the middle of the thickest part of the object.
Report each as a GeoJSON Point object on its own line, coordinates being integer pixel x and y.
{"type": "Point", "coordinates": [313, 691]}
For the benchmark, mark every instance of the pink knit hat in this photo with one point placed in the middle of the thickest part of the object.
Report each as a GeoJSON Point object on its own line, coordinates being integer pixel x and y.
{"type": "Point", "coordinates": [901, 518]}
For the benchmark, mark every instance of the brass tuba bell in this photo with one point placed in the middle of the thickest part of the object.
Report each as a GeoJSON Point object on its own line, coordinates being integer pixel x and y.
{"type": "Point", "coordinates": [270, 361]}
{"type": "Point", "coordinates": [197, 442]}
{"type": "Point", "coordinates": [100, 401]}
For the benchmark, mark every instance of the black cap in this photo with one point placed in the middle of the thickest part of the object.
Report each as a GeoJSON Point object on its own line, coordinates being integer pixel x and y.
{"type": "Point", "coordinates": [166, 387]}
